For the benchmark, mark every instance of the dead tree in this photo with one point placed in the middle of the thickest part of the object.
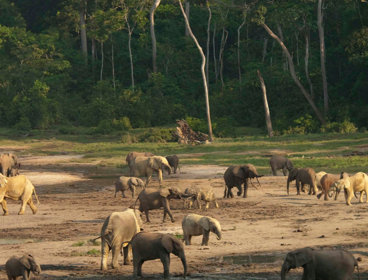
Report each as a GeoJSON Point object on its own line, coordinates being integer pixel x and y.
{"type": "Point", "coordinates": [186, 135]}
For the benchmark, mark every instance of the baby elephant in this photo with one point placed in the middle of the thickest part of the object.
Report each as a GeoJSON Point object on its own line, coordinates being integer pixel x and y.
{"type": "Point", "coordinates": [174, 162]}
{"type": "Point", "coordinates": [128, 183]}
{"type": "Point", "coordinates": [194, 225]}
{"type": "Point", "coordinates": [197, 194]}
{"type": "Point", "coordinates": [21, 267]}
{"type": "Point", "coordinates": [150, 246]}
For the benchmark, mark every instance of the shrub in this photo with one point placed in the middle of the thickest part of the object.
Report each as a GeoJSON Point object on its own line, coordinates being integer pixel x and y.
{"type": "Point", "coordinates": [121, 124]}
{"type": "Point", "coordinates": [160, 135]}
{"type": "Point", "coordinates": [23, 125]}
{"type": "Point", "coordinates": [343, 127]}
{"type": "Point", "coordinates": [128, 139]}
{"type": "Point", "coordinates": [303, 125]}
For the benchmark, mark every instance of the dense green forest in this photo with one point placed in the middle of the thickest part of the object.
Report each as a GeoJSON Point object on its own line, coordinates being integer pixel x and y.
{"type": "Point", "coordinates": [94, 64]}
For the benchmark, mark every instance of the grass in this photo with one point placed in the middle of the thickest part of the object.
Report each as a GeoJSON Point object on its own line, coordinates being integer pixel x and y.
{"type": "Point", "coordinates": [328, 152]}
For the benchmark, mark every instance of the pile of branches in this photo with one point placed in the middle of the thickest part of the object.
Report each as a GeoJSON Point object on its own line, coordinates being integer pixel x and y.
{"type": "Point", "coordinates": [186, 135]}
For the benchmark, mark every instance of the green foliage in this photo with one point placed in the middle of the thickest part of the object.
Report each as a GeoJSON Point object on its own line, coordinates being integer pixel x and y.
{"type": "Point", "coordinates": [343, 127]}
{"type": "Point", "coordinates": [159, 135]}
{"type": "Point", "coordinates": [303, 125]}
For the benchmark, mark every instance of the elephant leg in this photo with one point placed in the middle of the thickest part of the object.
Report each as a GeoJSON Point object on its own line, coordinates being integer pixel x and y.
{"type": "Point", "coordinates": [22, 208]}
{"type": "Point", "coordinates": [105, 249]}
{"type": "Point", "coordinates": [137, 267]}
{"type": "Point", "coordinates": [216, 204]}
{"type": "Point", "coordinates": [123, 192]}
{"type": "Point", "coordinates": [32, 206]}
{"type": "Point", "coordinates": [245, 194]}
{"type": "Point", "coordinates": [167, 210]}
{"type": "Point", "coordinates": [186, 239]}
{"type": "Point", "coordinates": [207, 204]}
{"type": "Point", "coordinates": [147, 216]}
{"type": "Point", "coordinates": [326, 195]}
{"type": "Point", "coordinates": [25, 274]}
{"type": "Point", "coordinates": [284, 171]}
{"type": "Point", "coordinates": [126, 250]}
{"type": "Point", "coordinates": [225, 191]}
{"type": "Point", "coordinates": [198, 203]}
{"type": "Point", "coordinates": [274, 171]}
{"type": "Point", "coordinates": [116, 248]}
{"type": "Point", "coordinates": [190, 239]}
{"type": "Point", "coordinates": [206, 237]}
{"type": "Point", "coordinates": [361, 197]}
{"type": "Point", "coordinates": [297, 187]}
{"type": "Point", "coordinates": [165, 259]}
{"type": "Point", "coordinates": [5, 208]}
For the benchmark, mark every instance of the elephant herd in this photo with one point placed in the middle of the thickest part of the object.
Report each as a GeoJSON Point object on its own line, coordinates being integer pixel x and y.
{"type": "Point", "coordinates": [122, 233]}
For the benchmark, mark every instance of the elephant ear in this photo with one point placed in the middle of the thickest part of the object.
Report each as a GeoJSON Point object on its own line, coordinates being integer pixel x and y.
{"type": "Point", "coordinates": [154, 163]}
{"type": "Point", "coordinates": [239, 172]}
{"type": "Point", "coordinates": [133, 181]}
{"type": "Point", "coordinates": [25, 261]}
{"type": "Point", "coordinates": [3, 180]}
{"type": "Point", "coordinates": [205, 223]}
{"type": "Point", "coordinates": [302, 258]}
{"type": "Point", "coordinates": [289, 164]}
{"type": "Point", "coordinates": [164, 192]}
{"type": "Point", "coordinates": [171, 244]}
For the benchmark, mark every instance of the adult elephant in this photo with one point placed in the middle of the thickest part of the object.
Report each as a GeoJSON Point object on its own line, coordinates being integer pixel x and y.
{"type": "Point", "coordinates": [119, 227]}
{"type": "Point", "coordinates": [150, 200]}
{"type": "Point", "coordinates": [351, 185]}
{"type": "Point", "coordinates": [279, 162]}
{"type": "Point", "coordinates": [321, 264]}
{"type": "Point", "coordinates": [150, 246]}
{"type": "Point", "coordinates": [132, 155]}
{"type": "Point", "coordinates": [9, 164]}
{"type": "Point", "coordinates": [302, 176]}
{"type": "Point", "coordinates": [17, 188]}
{"type": "Point", "coordinates": [238, 175]}
{"type": "Point", "coordinates": [145, 166]}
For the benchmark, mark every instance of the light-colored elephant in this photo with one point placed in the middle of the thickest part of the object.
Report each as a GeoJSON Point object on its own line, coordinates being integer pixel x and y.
{"type": "Point", "coordinates": [128, 183]}
{"type": "Point", "coordinates": [150, 200]}
{"type": "Point", "coordinates": [352, 184]}
{"type": "Point", "coordinates": [320, 264]}
{"type": "Point", "coordinates": [201, 193]}
{"type": "Point", "coordinates": [22, 266]}
{"type": "Point", "coordinates": [118, 228]}
{"type": "Point", "coordinates": [17, 188]}
{"type": "Point", "coordinates": [145, 166]}
{"type": "Point", "coordinates": [150, 246]}
{"type": "Point", "coordinates": [195, 225]}
{"type": "Point", "coordinates": [279, 162]}
{"type": "Point", "coordinates": [9, 164]}
{"type": "Point", "coordinates": [319, 176]}
{"type": "Point", "coordinates": [303, 176]}
{"type": "Point", "coordinates": [132, 155]}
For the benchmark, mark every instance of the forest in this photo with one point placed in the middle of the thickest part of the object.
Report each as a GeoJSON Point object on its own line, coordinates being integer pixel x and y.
{"type": "Point", "coordinates": [123, 64]}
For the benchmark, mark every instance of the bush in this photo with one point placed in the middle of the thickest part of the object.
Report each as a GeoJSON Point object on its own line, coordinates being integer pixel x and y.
{"type": "Point", "coordinates": [121, 124]}
{"type": "Point", "coordinates": [223, 127]}
{"type": "Point", "coordinates": [128, 139]}
{"type": "Point", "coordinates": [343, 127]}
{"type": "Point", "coordinates": [23, 125]}
{"type": "Point", "coordinates": [160, 135]}
{"type": "Point", "coordinates": [303, 125]}
{"type": "Point", "coordinates": [198, 124]}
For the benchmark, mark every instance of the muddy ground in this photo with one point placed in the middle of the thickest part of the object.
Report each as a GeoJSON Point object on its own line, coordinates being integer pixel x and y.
{"type": "Point", "coordinates": [257, 231]}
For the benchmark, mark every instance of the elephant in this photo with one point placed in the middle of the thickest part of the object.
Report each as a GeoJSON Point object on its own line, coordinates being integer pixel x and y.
{"type": "Point", "coordinates": [279, 162]}
{"type": "Point", "coordinates": [128, 183]}
{"type": "Point", "coordinates": [174, 162]}
{"type": "Point", "coordinates": [150, 246]}
{"type": "Point", "coordinates": [201, 193]}
{"type": "Point", "coordinates": [9, 162]}
{"type": "Point", "coordinates": [356, 183]}
{"type": "Point", "coordinates": [150, 200]}
{"type": "Point", "coordinates": [145, 166]}
{"type": "Point", "coordinates": [321, 264]}
{"type": "Point", "coordinates": [132, 155]}
{"type": "Point", "coordinates": [236, 176]}
{"type": "Point", "coordinates": [302, 176]}
{"type": "Point", "coordinates": [17, 188]}
{"type": "Point", "coordinates": [118, 229]}
{"type": "Point", "coordinates": [327, 185]}
{"type": "Point", "coordinates": [194, 225]}
{"type": "Point", "coordinates": [22, 267]}
{"type": "Point", "coordinates": [319, 176]}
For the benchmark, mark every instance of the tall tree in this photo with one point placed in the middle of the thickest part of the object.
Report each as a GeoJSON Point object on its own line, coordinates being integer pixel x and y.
{"type": "Point", "coordinates": [155, 5]}
{"type": "Point", "coordinates": [202, 70]}
{"type": "Point", "coordinates": [83, 31]}
{"type": "Point", "coordinates": [321, 34]}
{"type": "Point", "coordinates": [265, 104]}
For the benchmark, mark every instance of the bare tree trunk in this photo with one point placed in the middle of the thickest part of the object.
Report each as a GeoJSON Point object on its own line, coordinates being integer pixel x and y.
{"type": "Point", "coordinates": [214, 52]}
{"type": "Point", "coordinates": [82, 22]}
{"type": "Point", "coordinates": [224, 36]}
{"type": "Point", "coordinates": [265, 103]}
{"type": "Point", "coordinates": [202, 70]}
{"type": "Point", "coordinates": [208, 39]}
{"type": "Point", "coordinates": [102, 61]}
{"type": "Point", "coordinates": [93, 50]}
{"type": "Point", "coordinates": [153, 35]}
{"type": "Point", "coordinates": [113, 63]}
{"type": "Point", "coordinates": [284, 65]}
{"type": "Point", "coordinates": [306, 64]}
{"type": "Point", "coordinates": [323, 55]}
{"type": "Point", "coordinates": [271, 59]}
{"type": "Point", "coordinates": [239, 68]}
{"type": "Point", "coordinates": [130, 32]}
{"type": "Point", "coordinates": [264, 52]}
{"type": "Point", "coordinates": [297, 48]}
{"type": "Point", "coordinates": [293, 74]}
{"type": "Point", "coordinates": [187, 12]}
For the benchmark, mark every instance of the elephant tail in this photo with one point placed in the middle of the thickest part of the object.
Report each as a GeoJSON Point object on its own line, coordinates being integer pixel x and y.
{"type": "Point", "coordinates": [35, 194]}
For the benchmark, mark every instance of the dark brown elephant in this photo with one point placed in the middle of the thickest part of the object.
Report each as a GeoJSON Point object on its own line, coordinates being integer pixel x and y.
{"type": "Point", "coordinates": [150, 246]}
{"type": "Point", "coordinates": [22, 266]}
{"type": "Point", "coordinates": [302, 176]}
{"type": "Point", "coordinates": [238, 175]}
{"type": "Point", "coordinates": [280, 162]}
{"type": "Point", "coordinates": [150, 200]}
{"type": "Point", "coordinates": [321, 264]}
{"type": "Point", "coordinates": [174, 162]}
{"type": "Point", "coordinates": [9, 164]}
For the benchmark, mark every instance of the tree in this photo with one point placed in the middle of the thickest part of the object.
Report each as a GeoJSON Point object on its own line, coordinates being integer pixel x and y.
{"type": "Point", "coordinates": [155, 5]}
{"type": "Point", "coordinates": [265, 104]}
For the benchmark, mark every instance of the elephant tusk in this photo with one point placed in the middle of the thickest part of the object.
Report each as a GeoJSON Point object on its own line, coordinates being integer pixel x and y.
{"type": "Point", "coordinates": [259, 182]}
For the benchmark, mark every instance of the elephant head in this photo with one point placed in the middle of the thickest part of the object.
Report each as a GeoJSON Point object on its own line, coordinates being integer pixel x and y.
{"type": "Point", "coordinates": [170, 193]}
{"type": "Point", "coordinates": [289, 165]}
{"type": "Point", "coordinates": [292, 176]}
{"type": "Point", "coordinates": [135, 182]}
{"type": "Point", "coordinates": [295, 259]}
{"type": "Point", "coordinates": [29, 263]}
{"type": "Point", "coordinates": [211, 225]}
{"type": "Point", "coordinates": [172, 245]}
{"type": "Point", "coordinates": [159, 163]}
{"type": "Point", "coordinates": [244, 172]}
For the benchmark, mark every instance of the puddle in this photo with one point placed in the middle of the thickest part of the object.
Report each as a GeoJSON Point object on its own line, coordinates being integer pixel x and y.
{"type": "Point", "coordinates": [251, 259]}
{"type": "Point", "coordinates": [15, 241]}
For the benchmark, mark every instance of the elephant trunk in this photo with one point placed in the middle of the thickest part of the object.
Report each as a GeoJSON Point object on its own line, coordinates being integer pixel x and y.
{"type": "Point", "coordinates": [219, 235]}
{"type": "Point", "coordinates": [285, 269]}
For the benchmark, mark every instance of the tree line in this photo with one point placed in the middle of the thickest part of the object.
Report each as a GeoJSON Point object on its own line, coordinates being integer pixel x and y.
{"type": "Point", "coordinates": [125, 63]}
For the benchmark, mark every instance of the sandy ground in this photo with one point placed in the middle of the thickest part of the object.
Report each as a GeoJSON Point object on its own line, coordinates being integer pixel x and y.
{"type": "Point", "coordinates": [257, 231]}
